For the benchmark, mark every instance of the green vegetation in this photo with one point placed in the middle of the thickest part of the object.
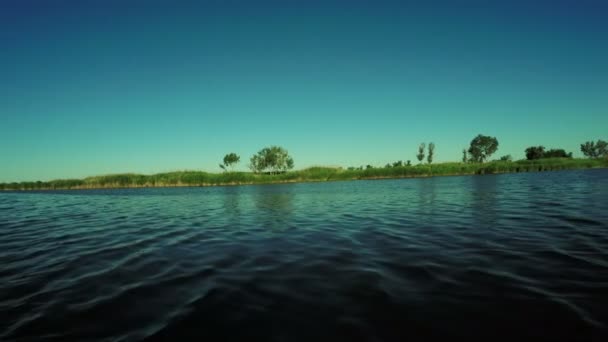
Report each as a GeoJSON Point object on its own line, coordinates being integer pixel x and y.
{"type": "Point", "coordinates": [535, 152]}
{"type": "Point", "coordinates": [557, 153]}
{"type": "Point", "coordinates": [229, 161]}
{"type": "Point", "coordinates": [482, 147]}
{"type": "Point", "coordinates": [598, 149]}
{"type": "Point", "coordinates": [271, 165]}
{"type": "Point", "coordinates": [538, 152]}
{"type": "Point", "coordinates": [431, 153]}
{"type": "Point", "coordinates": [273, 159]}
{"type": "Point", "coordinates": [198, 178]}
{"type": "Point", "coordinates": [420, 154]}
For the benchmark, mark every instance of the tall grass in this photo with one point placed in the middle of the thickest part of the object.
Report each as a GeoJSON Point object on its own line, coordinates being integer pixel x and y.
{"type": "Point", "coordinates": [199, 178]}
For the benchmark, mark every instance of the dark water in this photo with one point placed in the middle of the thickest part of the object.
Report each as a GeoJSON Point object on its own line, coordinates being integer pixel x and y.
{"type": "Point", "coordinates": [486, 257]}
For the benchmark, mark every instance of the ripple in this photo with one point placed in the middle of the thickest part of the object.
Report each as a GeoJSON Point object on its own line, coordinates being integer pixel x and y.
{"type": "Point", "coordinates": [521, 256]}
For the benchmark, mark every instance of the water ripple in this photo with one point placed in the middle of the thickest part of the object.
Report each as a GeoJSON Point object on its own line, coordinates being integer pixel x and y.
{"type": "Point", "coordinates": [487, 257]}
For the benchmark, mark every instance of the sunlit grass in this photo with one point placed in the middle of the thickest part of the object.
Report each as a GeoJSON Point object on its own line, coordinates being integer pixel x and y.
{"type": "Point", "coordinates": [199, 178]}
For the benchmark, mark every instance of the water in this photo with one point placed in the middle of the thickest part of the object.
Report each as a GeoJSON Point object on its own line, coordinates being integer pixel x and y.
{"type": "Point", "coordinates": [489, 257]}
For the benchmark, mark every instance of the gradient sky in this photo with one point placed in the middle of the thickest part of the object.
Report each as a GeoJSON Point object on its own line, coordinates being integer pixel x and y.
{"type": "Point", "coordinates": [97, 87]}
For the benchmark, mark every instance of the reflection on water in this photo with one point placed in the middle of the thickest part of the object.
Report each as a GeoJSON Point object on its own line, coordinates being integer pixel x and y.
{"type": "Point", "coordinates": [274, 205]}
{"type": "Point", "coordinates": [501, 257]}
{"type": "Point", "coordinates": [231, 197]}
{"type": "Point", "coordinates": [425, 198]}
{"type": "Point", "coordinates": [484, 203]}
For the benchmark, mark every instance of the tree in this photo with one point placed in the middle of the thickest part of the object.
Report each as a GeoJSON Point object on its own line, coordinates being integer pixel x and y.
{"type": "Point", "coordinates": [588, 149]}
{"type": "Point", "coordinates": [409, 163]}
{"type": "Point", "coordinates": [506, 158]}
{"type": "Point", "coordinates": [482, 146]}
{"type": "Point", "coordinates": [602, 148]}
{"type": "Point", "coordinates": [431, 152]}
{"type": "Point", "coordinates": [256, 163]}
{"type": "Point", "coordinates": [557, 153]}
{"type": "Point", "coordinates": [535, 152]}
{"type": "Point", "coordinates": [229, 161]}
{"type": "Point", "coordinates": [273, 158]}
{"type": "Point", "coordinates": [398, 163]}
{"type": "Point", "coordinates": [595, 150]}
{"type": "Point", "coordinates": [420, 154]}
{"type": "Point", "coordinates": [464, 155]}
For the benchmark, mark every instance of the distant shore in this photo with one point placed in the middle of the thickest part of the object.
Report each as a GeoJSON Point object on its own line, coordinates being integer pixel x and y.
{"type": "Point", "coordinates": [313, 174]}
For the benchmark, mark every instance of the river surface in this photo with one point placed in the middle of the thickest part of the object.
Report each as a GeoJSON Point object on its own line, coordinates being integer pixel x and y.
{"type": "Point", "coordinates": [496, 257]}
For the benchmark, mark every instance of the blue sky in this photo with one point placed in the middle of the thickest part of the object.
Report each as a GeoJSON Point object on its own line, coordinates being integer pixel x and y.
{"type": "Point", "coordinates": [97, 87]}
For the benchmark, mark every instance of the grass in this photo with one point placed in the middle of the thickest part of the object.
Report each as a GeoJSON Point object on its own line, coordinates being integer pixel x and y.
{"type": "Point", "coordinates": [199, 178]}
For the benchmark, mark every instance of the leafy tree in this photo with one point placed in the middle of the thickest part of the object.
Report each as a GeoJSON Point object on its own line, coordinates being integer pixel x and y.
{"type": "Point", "coordinates": [387, 166]}
{"type": "Point", "coordinates": [464, 155]}
{"type": "Point", "coordinates": [506, 158]}
{"type": "Point", "coordinates": [256, 163]}
{"type": "Point", "coordinates": [595, 149]}
{"type": "Point", "coordinates": [588, 149]}
{"type": "Point", "coordinates": [409, 163]}
{"type": "Point", "coordinates": [557, 153]}
{"type": "Point", "coordinates": [398, 163]}
{"type": "Point", "coordinates": [431, 152]}
{"type": "Point", "coordinates": [420, 154]}
{"type": "Point", "coordinates": [535, 152]}
{"type": "Point", "coordinates": [273, 158]}
{"type": "Point", "coordinates": [229, 161]}
{"type": "Point", "coordinates": [602, 148]}
{"type": "Point", "coordinates": [482, 146]}
{"type": "Point", "coordinates": [369, 167]}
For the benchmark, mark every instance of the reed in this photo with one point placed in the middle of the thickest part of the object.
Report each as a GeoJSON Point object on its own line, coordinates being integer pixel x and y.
{"type": "Point", "coordinates": [313, 174]}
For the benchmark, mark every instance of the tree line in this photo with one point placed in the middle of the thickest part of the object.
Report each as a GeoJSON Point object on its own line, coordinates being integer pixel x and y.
{"type": "Point", "coordinates": [271, 163]}
{"type": "Point", "coordinates": [482, 147]}
{"type": "Point", "coordinates": [589, 149]}
{"type": "Point", "coordinates": [276, 159]}
{"type": "Point", "coordinates": [273, 159]}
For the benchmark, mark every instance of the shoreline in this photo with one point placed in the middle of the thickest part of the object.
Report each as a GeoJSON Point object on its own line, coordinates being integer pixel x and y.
{"type": "Point", "coordinates": [312, 175]}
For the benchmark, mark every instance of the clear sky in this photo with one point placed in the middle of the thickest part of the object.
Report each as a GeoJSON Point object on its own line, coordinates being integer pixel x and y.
{"type": "Point", "coordinates": [97, 87]}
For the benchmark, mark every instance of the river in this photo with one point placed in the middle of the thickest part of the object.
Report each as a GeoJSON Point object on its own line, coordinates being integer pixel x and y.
{"type": "Point", "coordinates": [511, 256]}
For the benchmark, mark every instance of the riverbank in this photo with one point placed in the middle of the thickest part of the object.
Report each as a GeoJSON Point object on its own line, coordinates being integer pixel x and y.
{"type": "Point", "coordinates": [314, 174]}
